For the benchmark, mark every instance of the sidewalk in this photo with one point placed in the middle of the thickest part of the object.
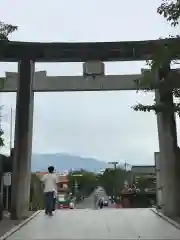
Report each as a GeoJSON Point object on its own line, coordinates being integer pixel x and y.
{"type": "Point", "coordinates": [7, 224]}
{"type": "Point", "coordinates": [174, 221]}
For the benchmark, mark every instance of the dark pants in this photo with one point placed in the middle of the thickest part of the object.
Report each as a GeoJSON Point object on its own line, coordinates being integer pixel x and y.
{"type": "Point", "coordinates": [49, 199]}
{"type": "Point", "coordinates": [54, 204]}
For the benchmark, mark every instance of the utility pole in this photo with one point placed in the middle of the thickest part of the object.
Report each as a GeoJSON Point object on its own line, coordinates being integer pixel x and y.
{"type": "Point", "coordinates": [115, 177]}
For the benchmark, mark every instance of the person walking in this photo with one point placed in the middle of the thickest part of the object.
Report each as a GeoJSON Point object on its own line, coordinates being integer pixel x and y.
{"type": "Point", "coordinates": [101, 202]}
{"type": "Point", "coordinates": [50, 185]}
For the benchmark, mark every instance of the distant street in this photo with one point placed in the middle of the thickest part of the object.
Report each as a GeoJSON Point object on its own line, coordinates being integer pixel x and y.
{"type": "Point", "coordinates": [88, 203]}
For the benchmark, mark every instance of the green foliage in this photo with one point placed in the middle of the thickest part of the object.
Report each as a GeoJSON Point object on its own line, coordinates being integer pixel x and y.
{"type": "Point", "coordinates": [6, 30]}
{"type": "Point", "coordinates": [113, 180]}
{"type": "Point", "coordinates": [143, 182]}
{"type": "Point", "coordinates": [36, 193]}
{"type": "Point", "coordinates": [162, 57]}
{"type": "Point", "coordinates": [86, 182]}
{"type": "Point", "coordinates": [148, 108]}
{"type": "Point", "coordinates": [170, 9]}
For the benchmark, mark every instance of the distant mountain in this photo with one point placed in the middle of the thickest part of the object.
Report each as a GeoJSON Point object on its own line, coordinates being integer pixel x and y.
{"type": "Point", "coordinates": [64, 162]}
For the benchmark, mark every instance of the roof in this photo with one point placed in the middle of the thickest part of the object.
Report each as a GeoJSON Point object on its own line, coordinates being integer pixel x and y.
{"type": "Point", "coordinates": [40, 174]}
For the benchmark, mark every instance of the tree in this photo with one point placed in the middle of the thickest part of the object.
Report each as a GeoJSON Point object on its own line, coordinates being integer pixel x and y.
{"type": "Point", "coordinates": [162, 58]}
{"type": "Point", "coordinates": [144, 181]}
{"type": "Point", "coordinates": [113, 180]}
{"type": "Point", "coordinates": [5, 31]}
{"type": "Point", "coordinates": [170, 10]}
{"type": "Point", "coordinates": [86, 182]}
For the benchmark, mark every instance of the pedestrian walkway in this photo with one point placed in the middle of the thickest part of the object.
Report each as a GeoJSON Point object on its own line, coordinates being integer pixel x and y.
{"type": "Point", "coordinates": [98, 224]}
{"type": "Point", "coordinates": [6, 224]}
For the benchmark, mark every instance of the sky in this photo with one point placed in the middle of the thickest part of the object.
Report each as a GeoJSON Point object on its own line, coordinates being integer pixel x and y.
{"type": "Point", "coordinates": [95, 124]}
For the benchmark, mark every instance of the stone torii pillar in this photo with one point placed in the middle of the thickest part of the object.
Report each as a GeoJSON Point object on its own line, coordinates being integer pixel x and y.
{"type": "Point", "coordinates": [168, 150]}
{"type": "Point", "coordinates": [159, 180]}
{"type": "Point", "coordinates": [23, 141]}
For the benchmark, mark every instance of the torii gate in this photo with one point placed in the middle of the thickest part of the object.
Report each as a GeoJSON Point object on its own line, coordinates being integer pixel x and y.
{"type": "Point", "coordinates": [27, 81]}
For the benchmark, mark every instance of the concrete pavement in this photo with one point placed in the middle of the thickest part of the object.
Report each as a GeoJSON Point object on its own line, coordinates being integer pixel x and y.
{"type": "Point", "coordinates": [87, 223]}
{"type": "Point", "coordinates": [98, 224]}
{"type": "Point", "coordinates": [7, 224]}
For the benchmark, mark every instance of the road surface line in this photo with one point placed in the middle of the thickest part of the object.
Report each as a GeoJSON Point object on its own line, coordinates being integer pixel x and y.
{"type": "Point", "coordinates": [20, 225]}
{"type": "Point", "coordinates": [169, 220]}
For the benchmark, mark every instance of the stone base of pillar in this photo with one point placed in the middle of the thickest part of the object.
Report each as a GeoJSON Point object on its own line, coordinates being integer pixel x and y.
{"type": "Point", "coordinates": [167, 197]}
{"type": "Point", "coordinates": [20, 208]}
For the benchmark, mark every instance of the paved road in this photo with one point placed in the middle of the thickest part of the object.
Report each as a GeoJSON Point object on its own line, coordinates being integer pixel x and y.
{"type": "Point", "coordinates": [87, 223]}
{"type": "Point", "coordinates": [88, 203]}
{"type": "Point", "coordinates": [98, 224]}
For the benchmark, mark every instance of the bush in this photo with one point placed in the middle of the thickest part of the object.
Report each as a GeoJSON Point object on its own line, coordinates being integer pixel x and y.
{"type": "Point", "coordinates": [36, 193]}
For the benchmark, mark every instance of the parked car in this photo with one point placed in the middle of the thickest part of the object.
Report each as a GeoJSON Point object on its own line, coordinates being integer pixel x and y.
{"type": "Point", "coordinates": [106, 202]}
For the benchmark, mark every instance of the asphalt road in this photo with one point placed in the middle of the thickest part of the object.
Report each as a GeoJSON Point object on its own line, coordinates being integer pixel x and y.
{"type": "Point", "coordinates": [88, 203]}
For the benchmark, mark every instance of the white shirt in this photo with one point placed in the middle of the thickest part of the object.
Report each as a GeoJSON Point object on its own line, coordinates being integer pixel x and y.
{"type": "Point", "coordinates": [49, 181]}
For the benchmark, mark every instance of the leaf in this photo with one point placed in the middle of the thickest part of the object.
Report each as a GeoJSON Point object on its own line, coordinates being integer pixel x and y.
{"type": "Point", "coordinates": [170, 10]}
{"type": "Point", "coordinates": [6, 30]}
{"type": "Point", "coordinates": [164, 55]}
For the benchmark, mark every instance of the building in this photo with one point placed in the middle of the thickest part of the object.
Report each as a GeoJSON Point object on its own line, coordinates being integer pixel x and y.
{"type": "Point", "coordinates": [144, 177]}
{"type": "Point", "coordinates": [63, 183]}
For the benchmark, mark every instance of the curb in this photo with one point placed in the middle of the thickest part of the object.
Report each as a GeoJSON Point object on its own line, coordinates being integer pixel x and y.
{"type": "Point", "coordinates": [16, 228]}
{"type": "Point", "coordinates": [169, 220]}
